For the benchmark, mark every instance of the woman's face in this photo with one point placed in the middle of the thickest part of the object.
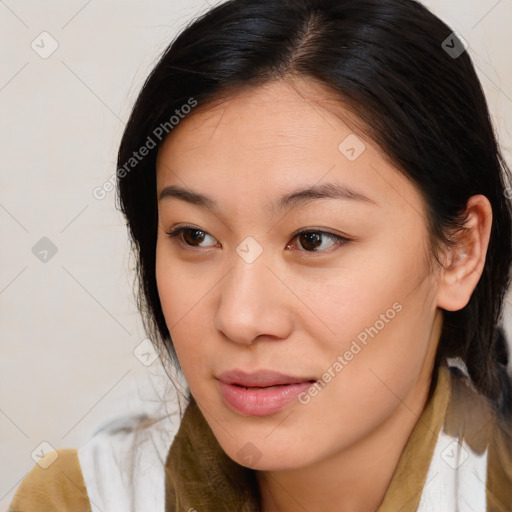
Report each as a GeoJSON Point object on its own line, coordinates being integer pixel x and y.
{"type": "Point", "coordinates": [272, 288]}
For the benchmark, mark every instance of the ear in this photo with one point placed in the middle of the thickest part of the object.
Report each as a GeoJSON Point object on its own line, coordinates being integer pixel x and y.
{"type": "Point", "coordinates": [464, 261]}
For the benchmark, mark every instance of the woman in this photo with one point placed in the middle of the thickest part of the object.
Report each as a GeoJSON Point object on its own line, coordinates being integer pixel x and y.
{"type": "Point", "coordinates": [319, 208]}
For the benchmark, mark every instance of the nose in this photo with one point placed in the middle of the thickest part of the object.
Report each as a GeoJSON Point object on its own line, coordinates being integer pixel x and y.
{"type": "Point", "coordinates": [253, 303]}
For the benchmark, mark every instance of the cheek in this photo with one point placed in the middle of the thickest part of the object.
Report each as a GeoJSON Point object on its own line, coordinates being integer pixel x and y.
{"type": "Point", "coordinates": [361, 294]}
{"type": "Point", "coordinates": [380, 315]}
{"type": "Point", "coordinates": [388, 329]}
{"type": "Point", "coordinates": [182, 286]}
{"type": "Point", "coordinates": [183, 296]}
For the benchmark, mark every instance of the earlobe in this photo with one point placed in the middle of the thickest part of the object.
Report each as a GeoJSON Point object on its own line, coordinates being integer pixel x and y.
{"type": "Point", "coordinates": [465, 258]}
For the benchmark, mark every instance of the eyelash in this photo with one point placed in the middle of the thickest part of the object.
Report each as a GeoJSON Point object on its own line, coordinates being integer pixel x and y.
{"type": "Point", "coordinates": [338, 239]}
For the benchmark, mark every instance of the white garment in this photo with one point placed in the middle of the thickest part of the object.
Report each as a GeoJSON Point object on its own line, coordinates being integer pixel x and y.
{"type": "Point", "coordinates": [112, 474]}
{"type": "Point", "coordinates": [456, 478]}
{"type": "Point", "coordinates": [119, 478]}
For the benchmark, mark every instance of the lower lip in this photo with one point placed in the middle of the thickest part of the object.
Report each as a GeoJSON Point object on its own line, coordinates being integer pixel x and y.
{"type": "Point", "coordinates": [261, 401]}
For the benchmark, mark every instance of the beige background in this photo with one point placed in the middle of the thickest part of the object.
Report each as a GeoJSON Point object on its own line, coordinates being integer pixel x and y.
{"type": "Point", "coordinates": [69, 326]}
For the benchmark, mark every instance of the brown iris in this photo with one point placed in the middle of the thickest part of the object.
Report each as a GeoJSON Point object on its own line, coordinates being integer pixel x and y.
{"type": "Point", "coordinates": [193, 236]}
{"type": "Point", "coordinates": [310, 241]}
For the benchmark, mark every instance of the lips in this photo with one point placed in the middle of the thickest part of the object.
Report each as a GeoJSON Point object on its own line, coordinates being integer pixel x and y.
{"type": "Point", "coordinates": [261, 393]}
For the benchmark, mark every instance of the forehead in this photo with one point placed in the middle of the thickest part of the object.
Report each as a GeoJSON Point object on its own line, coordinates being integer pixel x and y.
{"type": "Point", "coordinates": [269, 139]}
{"type": "Point", "coordinates": [267, 117]}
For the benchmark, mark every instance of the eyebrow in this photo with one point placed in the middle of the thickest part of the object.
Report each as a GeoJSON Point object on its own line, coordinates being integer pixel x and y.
{"type": "Point", "coordinates": [297, 198]}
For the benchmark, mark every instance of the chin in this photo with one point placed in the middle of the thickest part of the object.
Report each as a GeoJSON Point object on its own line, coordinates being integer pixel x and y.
{"type": "Point", "coordinates": [265, 455]}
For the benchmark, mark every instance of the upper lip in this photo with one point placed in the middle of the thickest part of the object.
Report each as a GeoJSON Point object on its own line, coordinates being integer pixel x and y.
{"type": "Point", "coordinates": [261, 378]}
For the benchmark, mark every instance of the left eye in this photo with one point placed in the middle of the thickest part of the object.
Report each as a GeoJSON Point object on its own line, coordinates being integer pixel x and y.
{"type": "Point", "coordinates": [318, 241]}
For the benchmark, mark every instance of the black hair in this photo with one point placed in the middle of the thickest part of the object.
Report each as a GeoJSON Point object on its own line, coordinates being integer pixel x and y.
{"type": "Point", "coordinates": [413, 85]}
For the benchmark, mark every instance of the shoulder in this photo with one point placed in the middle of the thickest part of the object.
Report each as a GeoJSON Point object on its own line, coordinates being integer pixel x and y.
{"type": "Point", "coordinates": [55, 483]}
{"type": "Point", "coordinates": [121, 467]}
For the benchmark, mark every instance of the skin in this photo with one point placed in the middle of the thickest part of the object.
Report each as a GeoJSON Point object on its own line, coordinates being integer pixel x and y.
{"type": "Point", "coordinates": [295, 311]}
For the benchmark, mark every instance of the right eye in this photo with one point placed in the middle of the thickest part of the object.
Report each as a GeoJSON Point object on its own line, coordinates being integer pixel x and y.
{"type": "Point", "coordinates": [191, 237]}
